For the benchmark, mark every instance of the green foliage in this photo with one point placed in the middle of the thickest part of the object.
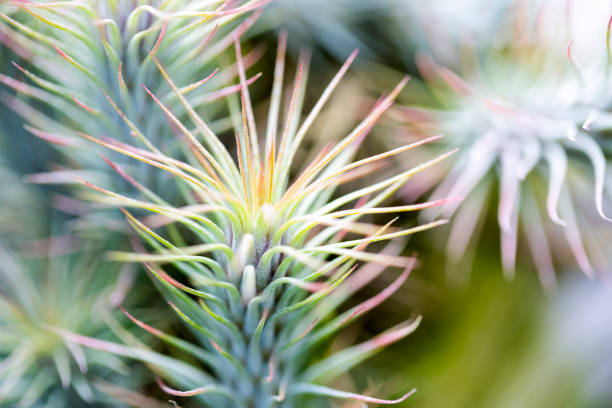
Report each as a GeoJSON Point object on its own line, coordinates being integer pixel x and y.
{"type": "Point", "coordinates": [261, 239]}
{"type": "Point", "coordinates": [85, 62]}
{"type": "Point", "coordinates": [37, 295]}
{"type": "Point", "coordinates": [265, 258]}
{"type": "Point", "coordinates": [47, 284]}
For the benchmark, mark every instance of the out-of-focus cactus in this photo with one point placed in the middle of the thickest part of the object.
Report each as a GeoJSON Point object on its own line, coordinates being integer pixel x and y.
{"type": "Point", "coordinates": [84, 63]}
{"type": "Point", "coordinates": [530, 116]}
{"type": "Point", "coordinates": [258, 264]}
{"type": "Point", "coordinates": [38, 294]}
{"type": "Point", "coordinates": [45, 285]}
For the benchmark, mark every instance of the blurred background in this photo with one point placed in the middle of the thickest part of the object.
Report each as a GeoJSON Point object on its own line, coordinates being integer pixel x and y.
{"type": "Point", "coordinates": [486, 340]}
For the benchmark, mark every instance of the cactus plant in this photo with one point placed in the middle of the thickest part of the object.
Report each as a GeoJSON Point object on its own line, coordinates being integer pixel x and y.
{"type": "Point", "coordinates": [46, 284]}
{"type": "Point", "coordinates": [82, 63]}
{"type": "Point", "coordinates": [257, 263]}
{"type": "Point", "coordinates": [534, 111]}
{"type": "Point", "coordinates": [39, 368]}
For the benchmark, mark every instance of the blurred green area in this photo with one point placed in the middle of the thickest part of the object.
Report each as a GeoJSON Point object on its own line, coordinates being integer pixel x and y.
{"type": "Point", "coordinates": [494, 343]}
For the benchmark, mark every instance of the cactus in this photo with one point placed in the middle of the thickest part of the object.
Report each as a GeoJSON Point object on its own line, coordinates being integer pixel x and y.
{"type": "Point", "coordinates": [72, 292]}
{"type": "Point", "coordinates": [257, 263]}
{"type": "Point", "coordinates": [81, 64]}
{"type": "Point", "coordinates": [533, 111]}
{"type": "Point", "coordinates": [47, 284]}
